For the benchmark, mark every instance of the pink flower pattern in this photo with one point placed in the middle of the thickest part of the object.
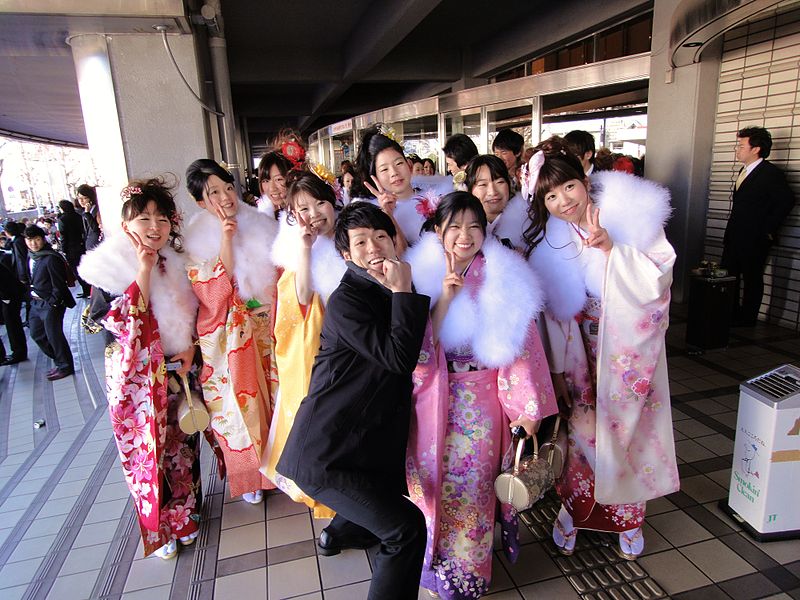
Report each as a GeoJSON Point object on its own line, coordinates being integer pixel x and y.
{"type": "Point", "coordinates": [158, 459]}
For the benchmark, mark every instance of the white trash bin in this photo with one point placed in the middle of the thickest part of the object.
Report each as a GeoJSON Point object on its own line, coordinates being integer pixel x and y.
{"type": "Point", "coordinates": [765, 476]}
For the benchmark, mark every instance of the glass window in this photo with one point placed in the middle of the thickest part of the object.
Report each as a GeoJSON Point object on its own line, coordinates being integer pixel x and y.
{"type": "Point", "coordinates": [517, 116]}
{"type": "Point", "coordinates": [419, 136]}
{"type": "Point", "coordinates": [466, 122]}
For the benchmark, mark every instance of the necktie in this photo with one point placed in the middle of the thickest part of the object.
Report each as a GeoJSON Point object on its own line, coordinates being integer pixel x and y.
{"type": "Point", "coordinates": [741, 177]}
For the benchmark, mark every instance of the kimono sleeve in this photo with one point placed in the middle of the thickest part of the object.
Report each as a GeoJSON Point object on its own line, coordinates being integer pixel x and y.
{"type": "Point", "coordinates": [214, 290]}
{"type": "Point", "coordinates": [133, 326]}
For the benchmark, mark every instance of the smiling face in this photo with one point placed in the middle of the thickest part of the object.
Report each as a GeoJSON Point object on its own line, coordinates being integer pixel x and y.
{"type": "Point", "coordinates": [451, 165]}
{"type": "Point", "coordinates": [369, 248]}
{"type": "Point", "coordinates": [568, 201]}
{"type": "Point", "coordinates": [220, 193]}
{"type": "Point", "coordinates": [417, 169]}
{"type": "Point", "coordinates": [427, 169]}
{"type": "Point", "coordinates": [274, 186]}
{"type": "Point", "coordinates": [493, 193]}
{"type": "Point", "coordinates": [152, 227]}
{"type": "Point", "coordinates": [393, 173]}
{"type": "Point", "coordinates": [317, 213]}
{"type": "Point", "coordinates": [347, 180]}
{"type": "Point", "coordinates": [462, 236]}
{"type": "Point", "coordinates": [34, 244]}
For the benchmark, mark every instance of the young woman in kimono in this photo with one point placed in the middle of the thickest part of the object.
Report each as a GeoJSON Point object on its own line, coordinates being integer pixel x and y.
{"type": "Point", "coordinates": [312, 269]}
{"type": "Point", "coordinates": [487, 179]}
{"type": "Point", "coordinates": [600, 249]}
{"type": "Point", "coordinates": [495, 375]}
{"type": "Point", "coordinates": [232, 275]}
{"type": "Point", "coordinates": [152, 320]}
{"type": "Point", "coordinates": [383, 177]}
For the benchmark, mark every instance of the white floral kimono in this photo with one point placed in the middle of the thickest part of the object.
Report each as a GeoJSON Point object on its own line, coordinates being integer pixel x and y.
{"type": "Point", "coordinates": [606, 319]}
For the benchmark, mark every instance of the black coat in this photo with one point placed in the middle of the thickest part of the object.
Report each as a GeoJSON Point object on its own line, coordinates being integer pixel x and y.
{"type": "Point", "coordinates": [10, 287]}
{"type": "Point", "coordinates": [91, 229]}
{"type": "Point", "coordinates": [49, 280]}
{"type": "Point", "coordinates": [70, 226]}
{"type": "Point", "coordinates": [760, 205]}
{"type": "Point", "coordinates": [19, 252]}
{"type": "Point", "coordinates": [351, 431]}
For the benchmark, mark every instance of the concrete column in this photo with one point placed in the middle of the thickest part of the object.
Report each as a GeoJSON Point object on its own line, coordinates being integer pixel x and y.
{"type": "Point", "coordinates": [163, 126]}
{"type": "Point", "coordinates": [680, 131]}
{"type": "Point", "coordinates": [100, 117]}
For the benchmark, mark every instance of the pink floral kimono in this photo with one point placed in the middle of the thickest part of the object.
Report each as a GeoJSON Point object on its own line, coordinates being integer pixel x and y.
{"type": "Point", "coordinates": [160, 462]}
{"type": "Point", "coordinates": [606, 319]}
{"type": "Point", "coordinates": [488, 368]}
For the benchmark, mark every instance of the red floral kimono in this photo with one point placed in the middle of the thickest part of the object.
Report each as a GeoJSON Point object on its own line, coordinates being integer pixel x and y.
{"type": "Point", "coordinates": [158, 459]}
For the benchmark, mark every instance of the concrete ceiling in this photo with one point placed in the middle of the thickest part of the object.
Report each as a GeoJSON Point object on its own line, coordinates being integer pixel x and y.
{"type": "Point", "coordinates": [299, 64]}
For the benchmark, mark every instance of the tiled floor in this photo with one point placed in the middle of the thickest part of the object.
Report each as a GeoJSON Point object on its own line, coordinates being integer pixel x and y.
{"type": "Point", "coordinates": [67, 529]}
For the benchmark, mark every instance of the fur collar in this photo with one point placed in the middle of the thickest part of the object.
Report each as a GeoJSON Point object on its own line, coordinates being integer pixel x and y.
{"type": "Point", "coordinates": [512, 222]}
{"type": "Point", "coordinates": [632, 209]}
{"type": "Point", "coordinates": [112, 267]}
{"type": "Point", "coordinates": [327, 265]}
{"type": "Point", "coordinates": [437, 184]}
{"type": "Point", "coordinates": [495, 322]}
{"type": "Point", "coordinates": [253, 269]}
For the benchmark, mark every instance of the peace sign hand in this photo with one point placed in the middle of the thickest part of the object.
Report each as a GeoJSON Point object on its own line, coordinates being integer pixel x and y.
{"type": "Point", "coordinates": [386, 200]}
{"type": "Point", "coordinates": [146, 255]}
{"type": "Point", "coordinates": [598, 236]}
{"type": "Point", "coordinates": [453, 281]}
{"type": "Point", "coordinates": [308, 233]}
{"type": "Point", "coordinates": [229, 224]}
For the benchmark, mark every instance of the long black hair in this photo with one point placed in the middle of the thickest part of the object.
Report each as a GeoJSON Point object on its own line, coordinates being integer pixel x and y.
{"type": "Point", "coordinates": [373, 142]}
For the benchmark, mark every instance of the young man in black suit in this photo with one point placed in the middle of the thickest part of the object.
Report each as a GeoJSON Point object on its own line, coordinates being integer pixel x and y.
{"type": "Point", "coordinates": [348, 444]}
{"type": "Point", "coordinates": [761, 201]}
{"type": "Point", "coordinates": [50, 298]}
{"type": "Point", "coordinates": [12, 292]}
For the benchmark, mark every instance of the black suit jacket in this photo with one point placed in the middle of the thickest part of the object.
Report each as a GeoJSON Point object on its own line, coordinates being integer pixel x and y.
{"type": "Point", "coordinates": [19, 251]}
{"type": "Point", "coordinates": [91, 229]}
{"type": "Point", "coordinates": [49, 280]}
{"type": "Point", "coordinates": [70, 226]}
{"type": "Point", "coordinates": [351, 431]}
{"type": "Point", "coordinates": [10, 287]}
{"type": "Point", "coordinates": [760, 205]}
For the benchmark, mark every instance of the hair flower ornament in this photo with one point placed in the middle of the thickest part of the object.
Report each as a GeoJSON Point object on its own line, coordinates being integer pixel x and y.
{"type": "Point", "coordinates": [529, 174]}
{"type": "Point", "coordinates": [389, 132]}
{"type": "Point", "coordinates": [130, 190]}
{"type": "Point", "coordinates": [326, 175]}
{"type": "Point", "coordinates": [427, 203]}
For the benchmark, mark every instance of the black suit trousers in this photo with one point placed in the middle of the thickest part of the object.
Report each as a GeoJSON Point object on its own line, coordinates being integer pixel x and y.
{"type": "Point", "coordinates": [399, 525]}
{"type": "Point", "coordinates": [46, 324]}
{"type": "Point", "coordinates": [16, 335]}
{"type": "Point", "coordinates": [748, 267]}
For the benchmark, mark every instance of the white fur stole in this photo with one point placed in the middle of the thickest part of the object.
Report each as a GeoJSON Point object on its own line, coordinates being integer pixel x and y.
{"type": "Point", "coordinates": [253, 269]}
{"type": "Point", "coordinates": [512, 222]}
{"type": "Point", "coordinates": [327, 265]}
{"type": "Point", "coordinates": [112, 267]}
{"type": "Point", "coordinates": [495, 323]}
{"type": "Point", "coordinates": [633, 211]}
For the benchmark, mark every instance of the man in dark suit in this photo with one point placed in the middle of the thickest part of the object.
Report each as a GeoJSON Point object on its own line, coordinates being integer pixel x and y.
{"type": "Point", "coordinates": [70, 228]}
{"type": "Point", "coordinates": [761, 201]}
{"type": "Point", "coordinates": [348, 442]}
{"type": "Point", "coordinates": [50, 298]}
{"type": "Point", "coordinates": [11, 294]}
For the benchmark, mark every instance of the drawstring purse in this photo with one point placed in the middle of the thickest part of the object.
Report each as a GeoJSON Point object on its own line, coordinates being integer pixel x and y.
{"type": "Point", "coordinates": [526, 482]}
{"type": "Point", "coordinates": [192, 413]}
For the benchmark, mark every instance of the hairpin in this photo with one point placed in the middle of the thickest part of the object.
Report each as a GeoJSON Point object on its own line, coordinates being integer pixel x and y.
{"type": "Point", "coordinates": [529, 174]}
{"type": "Point", "coordinates": [388, 132]}
{"type": "Point", "coordinates": [427, 203]}
{"type": "Point", "coordinates": [128, 191]}
{"type": "Point", "coordinates": [325, 174]}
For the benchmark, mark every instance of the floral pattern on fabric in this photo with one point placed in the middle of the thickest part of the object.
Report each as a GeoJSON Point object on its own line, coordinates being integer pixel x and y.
{"type": "Point", "coordinates": [238, 376]}
{"type": "Point", "coordinates": [159, 461]}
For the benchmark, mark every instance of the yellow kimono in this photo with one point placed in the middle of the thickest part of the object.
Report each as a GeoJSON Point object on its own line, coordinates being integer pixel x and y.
{"type": "Point", "coordinates": [297, 339]}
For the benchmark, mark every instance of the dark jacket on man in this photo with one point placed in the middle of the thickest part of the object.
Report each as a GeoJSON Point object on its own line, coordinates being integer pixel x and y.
{"type": "Point", "coordinates": [91, 228]}
{"type": "Point", "coordinates": [351, 431]}
{"type": "Point", "coordinates": [19, 253]}
{"type": "Point", "coordinates": [760, 205]}
{"type": "Point", "coordinates": [49, 279]}
{"type": "Point", "coordinates": [70, 226]}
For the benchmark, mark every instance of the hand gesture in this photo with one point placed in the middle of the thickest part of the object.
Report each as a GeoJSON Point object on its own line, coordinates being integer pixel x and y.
{"type": "Point", "coordinates": [386, 200]}
{"type": "Point", "coordinates": [530, 427]}
{"type": "Point", "coordinates": [146, 255]}
{"type": "Point", "coordinates": [452, 282]}
{"type": "Point", "coordinates": [229, 224]}
{"type": "Point", "coordinates": [598, 236]}
{"type": "Point", "coordinates": [186, 357]}
{"type": "Point", "coordinates": [396, 275]}
{"type": "Point", "coordinates": [308, 233]}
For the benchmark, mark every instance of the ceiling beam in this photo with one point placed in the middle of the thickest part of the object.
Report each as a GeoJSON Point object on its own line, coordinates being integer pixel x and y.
{"type": "Point", "coordinates": [377, 33]}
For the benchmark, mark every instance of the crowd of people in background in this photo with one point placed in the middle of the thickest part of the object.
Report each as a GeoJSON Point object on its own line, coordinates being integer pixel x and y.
{"type": "Point", "coordinates": [366, 343]}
